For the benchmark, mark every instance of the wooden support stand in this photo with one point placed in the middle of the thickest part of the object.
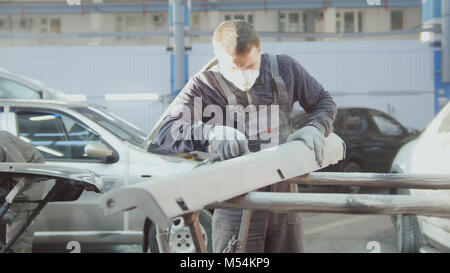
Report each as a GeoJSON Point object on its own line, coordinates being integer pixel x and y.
{"type": "Point", "coordinates": [192, 221]}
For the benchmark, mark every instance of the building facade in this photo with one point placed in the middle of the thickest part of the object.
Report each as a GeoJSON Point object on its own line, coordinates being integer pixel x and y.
{"type": "Point", "coordinates": [106, 22]}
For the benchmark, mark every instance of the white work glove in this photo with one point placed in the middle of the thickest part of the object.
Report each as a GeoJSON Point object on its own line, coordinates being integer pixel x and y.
{"type": "Point", "coordinates": [225, 143]}
{"type": "Point", "coordinates": [313, 138]}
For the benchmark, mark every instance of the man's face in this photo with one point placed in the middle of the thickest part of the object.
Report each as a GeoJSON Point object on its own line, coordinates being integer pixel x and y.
{"type": "Point", "coordinates": [242, 69]}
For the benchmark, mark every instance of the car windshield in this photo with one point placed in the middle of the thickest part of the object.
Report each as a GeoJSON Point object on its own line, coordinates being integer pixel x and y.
{"type": "Point", "coordinates": [117, 126]}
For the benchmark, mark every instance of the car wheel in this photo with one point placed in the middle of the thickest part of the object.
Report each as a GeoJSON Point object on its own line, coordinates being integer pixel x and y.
{"type": "Point", "coordinates": [408, 234]}
{"type": "Point", "coordinates": [2, 233]}
{"type": "Point", "coordinates": [350, 167]}
{"type": "Point", "coordinates": [180, 238]}
{"type": "Point", "coordinates": [407, 229]}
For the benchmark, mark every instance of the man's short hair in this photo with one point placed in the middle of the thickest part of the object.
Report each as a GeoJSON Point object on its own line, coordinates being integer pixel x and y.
{"type": "Point", "coordinates": [235, 37]}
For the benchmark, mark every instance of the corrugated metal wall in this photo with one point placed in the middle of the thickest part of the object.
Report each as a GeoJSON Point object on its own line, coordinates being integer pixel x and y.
{"type": "Point", "coordinates": [96, 71]}
{"type": "Point", "coordinates": [377, 74]}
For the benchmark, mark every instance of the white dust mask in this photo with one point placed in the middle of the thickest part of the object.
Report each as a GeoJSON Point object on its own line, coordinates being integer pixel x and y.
{"type": "Point", "coordinates": [242, 79]}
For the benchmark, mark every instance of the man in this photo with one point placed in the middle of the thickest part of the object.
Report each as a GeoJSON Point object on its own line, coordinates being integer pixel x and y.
{"type": "Point", "coordinates": [13, 149]}
{"type": "Point", "coordinates": [244, 76]}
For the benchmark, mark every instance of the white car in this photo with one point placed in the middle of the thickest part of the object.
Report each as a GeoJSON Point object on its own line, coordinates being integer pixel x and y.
{"type": "Point", "coordinates": [88, 137]}
{"type": "Point", "coordinates": [15, 86]}
{"type": "Point", "coordinates": [428, 154]}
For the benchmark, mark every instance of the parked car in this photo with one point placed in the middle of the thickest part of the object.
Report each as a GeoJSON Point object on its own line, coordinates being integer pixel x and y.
{"type": "Point", "coordinates": [372, 138]}
{"type": "Point", "coordinates": [428, 154]}
{"type": "Point", "coordinates": [88, 137]}
{"type": "Point", "coordinates": [15, 86]}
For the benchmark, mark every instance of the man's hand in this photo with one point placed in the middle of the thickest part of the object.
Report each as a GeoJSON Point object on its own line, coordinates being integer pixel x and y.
{"type": "Point", "coordinates": [225, 143]}
{"type": "Point", "coordinates": [313, 138]}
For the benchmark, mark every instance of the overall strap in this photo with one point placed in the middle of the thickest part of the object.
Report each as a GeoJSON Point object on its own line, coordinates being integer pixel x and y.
{"type": "Point", "coordinates": [279, 86]}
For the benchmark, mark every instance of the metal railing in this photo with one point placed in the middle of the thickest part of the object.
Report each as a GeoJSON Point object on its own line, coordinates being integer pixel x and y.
{"type": "Point", "coordinates": [381, 204]}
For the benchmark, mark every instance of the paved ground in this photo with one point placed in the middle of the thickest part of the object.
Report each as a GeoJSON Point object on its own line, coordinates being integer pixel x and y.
{"type": "Point", "coordinates": [323, 233]}
{"type": "Point", "coordinates": [349, 233]}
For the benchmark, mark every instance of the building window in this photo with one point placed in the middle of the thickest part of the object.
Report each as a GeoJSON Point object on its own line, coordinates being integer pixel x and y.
{"type": "Point", "coordinates": [5, 23]}
{"type": "Point", "coordinates": [239, 17]}
{"type": "Point", "coordinates": [293, 22]}
{"type": "Point", "coordinates": [338, 22]}
{"type": "Point", "coordinates": [25, 23]}
{"type": "Point", "coordinates": [396, 20]}
{"type": "Point", "coordinates": [349, 22]}
{"type": "Point", "coordinates": [360, 21]}
{"type": "Point", "coordinates": [44, 25]}
{"type": "Point", "coordinates": [129, 24]}
{"type": "Point", "coordinates": [119, 23]}
{"type": "Point", "coordinates": [281, 22]}
{"type": "Point", "coordinates": [195, 22]}
{"type": "Point", "coordinates": [55, 25]}
{"type": "Point", "coordinates": [304, 22]}
{"type": "Point", "coordinates": [51, 25]}
{"type": "Point", "coordinates": [250, 18]}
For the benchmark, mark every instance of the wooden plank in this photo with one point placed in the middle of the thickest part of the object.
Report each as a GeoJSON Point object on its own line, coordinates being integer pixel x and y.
{"type": "Point", "coordinates": [340, 203]}
{"type": "Point", "coordinates": [243, 229]}
{"type": "Point", "coordinates": [388, 180]}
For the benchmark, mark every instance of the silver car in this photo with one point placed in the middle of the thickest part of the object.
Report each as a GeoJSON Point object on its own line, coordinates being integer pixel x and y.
{"type": "Point", "coordinates": [428, 154]}
{"type": "Point", "coordinates": [88, 137]}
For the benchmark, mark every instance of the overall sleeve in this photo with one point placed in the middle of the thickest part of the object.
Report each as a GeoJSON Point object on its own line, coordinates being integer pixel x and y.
{"type": "Point", "coordinates": [182, 129]}
{"type": "Point", "coordinates": [314, 99]}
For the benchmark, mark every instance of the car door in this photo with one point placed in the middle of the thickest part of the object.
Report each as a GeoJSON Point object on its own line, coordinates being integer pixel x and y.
{"type": "Point", "coordinates": [61, 138]}
{"type": "Point", "coordinates": [352, 125]}
{"type": "Point", "coordinates": [388, 136]}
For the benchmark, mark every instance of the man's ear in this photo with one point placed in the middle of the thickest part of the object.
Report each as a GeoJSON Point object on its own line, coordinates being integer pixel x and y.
{"type": "Point", "coordinates": [260, 48]}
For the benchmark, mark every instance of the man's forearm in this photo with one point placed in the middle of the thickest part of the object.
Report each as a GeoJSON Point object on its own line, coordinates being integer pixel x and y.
{"type": "Point", "coordinates": [324, 114]}
{"type": "Point", "coordinates": [180, 137]}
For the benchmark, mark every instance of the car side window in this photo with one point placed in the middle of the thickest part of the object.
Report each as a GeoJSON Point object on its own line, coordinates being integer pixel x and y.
{"type": "Point", "coordinates": [386, 125]}
{"type": "Point", "coordinates": [353, 122]}
{"type": "Point", "coordinates": [57, 136]}
{"type": "Point", "coordinates": [13, 90]}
